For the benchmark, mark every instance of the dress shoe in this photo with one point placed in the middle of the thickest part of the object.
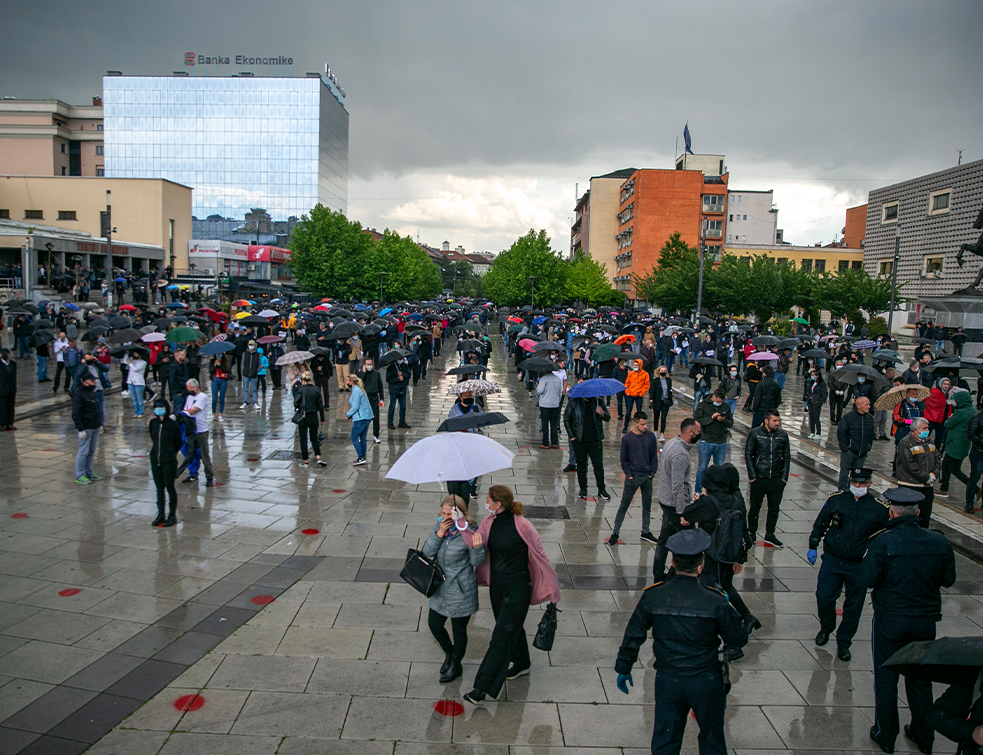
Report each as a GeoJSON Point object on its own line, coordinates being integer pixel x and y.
{"type": "Point", "coordinates": [751, 622]}
{"type": "Point", "coordinates": [170, 521]}
{"type": "Point", "coordinates": [889, 748]}
{"type": "Point", "coordinates": [822, 638]}
{"type": "Point", "coordinates": [158, 521]}
{"type": "Point", "coordinates": [844, 654]}
{"type": "Point", "coordinates": [446, 664]}
{"type": "Point", "coordinates": [923, 746]}
{"type": "Point", "coordinates": [453, 672]}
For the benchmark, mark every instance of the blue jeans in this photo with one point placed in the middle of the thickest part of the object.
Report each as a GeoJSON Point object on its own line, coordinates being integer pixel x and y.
{"type": "Point", "coordinates": [86, 452]}
{"type": "Point", "coordinates": [698, 395]}
{"type": "Point", "coordinates": [718, 451]}
{"type": "Point", "coordinates": [42, 368]}
{"type": "Point", "coordinates": [249, 388]}
{"type": "Point", "coordinates": [219, 387]}
{"type": "Point", "coordinates": [732, 403]}
{"type": "Point", "coordinates": [401, 398]}
{"type": "Point", "coordinates": [780, 379]}
{"type": "Point", "coordinates": [102, 405]}
{"type": "Point", "coordinates": [23, 350]}
{"type": "Point", "coordinates": [136, 397]}
{"type": "Point", "coordinates": [684, 358]}
{"type": "Point", "coordinates": [670, 360]}
{"type": "Point", "coordinates": [360, 429]}
{"type": "Point", "coordinates": [631, 401]}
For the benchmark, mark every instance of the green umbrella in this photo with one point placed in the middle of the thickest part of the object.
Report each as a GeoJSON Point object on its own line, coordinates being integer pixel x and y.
{"type": "Point", "coordinates": [800, 321]}
{"type": "Point", "coordinates": [605, 351]}
{"type": "Point", "coordinates": [515, 328]}
{"type": "Point", "coordinates": [183, 335]}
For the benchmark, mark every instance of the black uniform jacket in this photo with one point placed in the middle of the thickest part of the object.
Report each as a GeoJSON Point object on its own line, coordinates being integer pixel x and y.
{"type": "Point", "coordinates": [906, 565]}
{"type": "Point", "coordinates": [848, 523]}
{"type": "Point", "coordinates": [687, 622]}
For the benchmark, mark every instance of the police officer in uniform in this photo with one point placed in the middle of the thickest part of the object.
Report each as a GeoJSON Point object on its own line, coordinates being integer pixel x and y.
{"type": "Point", "coordinates": [906, 565]}
{"type": "Point", "coordinates": [688, 622]}
{"type": "Point", "coordinates": [848, 520]}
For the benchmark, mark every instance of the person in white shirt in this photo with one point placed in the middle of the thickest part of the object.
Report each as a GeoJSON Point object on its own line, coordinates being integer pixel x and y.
{"type": "Point", "coordinates": [136, 380]}
{"type": "Point", "coordinates": [196, 406]}
{"type": "Point", "coordinates": [61, 343]}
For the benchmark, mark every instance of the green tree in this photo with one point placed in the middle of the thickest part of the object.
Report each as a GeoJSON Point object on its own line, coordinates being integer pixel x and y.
{"type": "Point", "coordinates": [673, 282]}
{"type": "Point", "coordinates": [758, 285]}
{"type": "Point", "coordinates": [853, 290]}
{"type": "Point", "coordinates": [587, 282]}
{"type": "Point", "coordinates": [333, 256]}
{"type": "Point", "coordinates": [410, 273]}
{"type": "Point", "coordinates": [507, 283]}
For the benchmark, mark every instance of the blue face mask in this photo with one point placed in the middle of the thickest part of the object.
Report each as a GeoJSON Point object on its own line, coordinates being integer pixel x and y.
{"type": "Point", "coordinates": [923, 434]}
{"type": "Point", "coordinates": [160, 411]}
{"type": "Point", "coordinates": [861, 380]}
{"type": "Point", "coordinates": [913, 399]}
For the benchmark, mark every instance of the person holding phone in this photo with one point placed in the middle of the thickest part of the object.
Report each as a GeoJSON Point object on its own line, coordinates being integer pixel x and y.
{"type": "Point", "coordinates": [457, 550]}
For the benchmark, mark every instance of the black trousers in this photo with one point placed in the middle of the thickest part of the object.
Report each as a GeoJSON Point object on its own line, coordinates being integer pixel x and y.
{"type": "Point", "coordinates": [816, 419]}
{"type": "Point", "coordinates": [659, 417]}
{"type": "Point", "coordinates": [164, 476]}
{"type": "Point", "coordinates": [550, 418]}
{"type": "Point", "coordinates": [722, 575]}
{"type": "Point", "coordinates": [670, 526]}
{"type": "Point", "coordinates": [774, 488]}
{"type": "Point", "coordinates": [889, 637]}
{"type": "Point", "coordinates": [459, 626]}
{"type": "Point", "coordinates": [834, 575]}
{"type": "Point", "coordinates": [374, 400]}
{"type": "Point", "coordinates": [277, 374]}
{"type": "Point", "coordinates": [925, 507]}
{"type": "Point", "coordinates": [309, 427]}
{"type": "Point", "coordinates": [510, 603]}
{"type": "Point", "coordinates": [7, 410]}
{"type": "Point", "coordinates": [675, 697]}
{"type": "Point", "coordinates": [593, 450]}
{"type": "Point", "coordinates": [952, 468]}
{"type": "Point", "coordinates": [835, 407]}
{"type": "Point", "coordinates": [68, 376]}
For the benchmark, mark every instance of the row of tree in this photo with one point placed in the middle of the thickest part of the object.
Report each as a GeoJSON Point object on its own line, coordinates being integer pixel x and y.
{"type": "Point", "coordinates": [333, 256]}
{"type": "Point", "coordinates": [757, 286]}
{"type": "Point", "coordinates": [530, 272]}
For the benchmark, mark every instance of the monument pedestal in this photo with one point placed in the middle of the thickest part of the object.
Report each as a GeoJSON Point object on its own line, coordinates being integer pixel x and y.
{"type": "Point", "coordinates": [960, 309]}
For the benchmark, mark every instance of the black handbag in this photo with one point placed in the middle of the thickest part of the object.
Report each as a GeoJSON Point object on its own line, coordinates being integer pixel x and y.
{"type": "Point", "coordinates": [422, 573]}
{"type": "Point", "coordinates": [298, 417]}
{"type": "Point", "coordinates": [546, 630]}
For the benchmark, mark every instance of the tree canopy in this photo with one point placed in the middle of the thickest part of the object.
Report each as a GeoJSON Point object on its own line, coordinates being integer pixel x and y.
{"type": "Point", "coordinates": [529, 256]}
{"type": "Point", "coordinates": [587, 282]}
{"type": "Point", "coordinates": [673, 282]}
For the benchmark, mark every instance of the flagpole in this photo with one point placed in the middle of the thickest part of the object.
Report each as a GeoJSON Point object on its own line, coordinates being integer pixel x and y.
{"type": "Point", "coordinates": [675, 154]}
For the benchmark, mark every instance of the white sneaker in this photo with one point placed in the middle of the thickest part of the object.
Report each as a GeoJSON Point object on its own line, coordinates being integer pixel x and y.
{"type": "Point", "coordinates": [376, 440]}
{"type": "Point", "coordinates": [255, 406]}
{"type": "Point", "coordinates": [662, 438]}
{"type": "Point", "coordinates": [125, 394]}
{"type": "Point", "coordinates": [243, 406]}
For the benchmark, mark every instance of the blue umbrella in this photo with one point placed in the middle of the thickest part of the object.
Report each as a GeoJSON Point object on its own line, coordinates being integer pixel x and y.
{"type": "Point", "coordinates": [69, 305]}
{"type": "Point", "coordinates": [172, 287]}
{"type": "Point", "coordinates": [215, 347]}
{"type": "Point", "coordinates": [538, 320]}
{"type": "Point", "coordinates": [121, 280]}
{"type": "Point", "coordinates": [176, 305]}
{"type": "Point", "coordinates": [385, 312]}
{"type": "Point", "coordinates": [415, 316]}
{"type": "Point", "coordinates": [596, 387]}
{"type": "Point", "coordinates": [276, 301]}
{"type": "Point", "coordinates": [360, 307]}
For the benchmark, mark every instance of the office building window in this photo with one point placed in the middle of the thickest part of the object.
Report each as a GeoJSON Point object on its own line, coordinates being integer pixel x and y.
{"type": "Point", "coordinates": [100, 172]}
{"type": "Point", "coordinates": [33, 214]}
{"type": "Point", "coordinates": [63, 149]}
{"type": "Point", "coordinates": [99, 150]}
{"type": "Point", "coordinates": [64, 170]}
{"type": "Point", "coordinates": [738, 199]}
{"type": "Point", "coordinates": [99, 127]}
{"type": "Point", "coordinates": [731, 217]}
{"type": "Point", "coordinates": [820, 266]}
{"type": "Point", "coordinates": [933, 265]}
{"type": "Point", "coordinates": [5, 214]}
{"type": "Point", "coordinates": [938, 202]}
{"type": "Point", "coordinates": [885, 268]}
{"type": "Point", "coordinates": [66, 215]}
{"type": "Point", "coordinates": [843, 266]}
{"type": "Point", "coordinates": [889, 213]}
{"type": "Point", "coordinates": [857, 265]}
{"type": "Point", "coordinates": [807, 265]}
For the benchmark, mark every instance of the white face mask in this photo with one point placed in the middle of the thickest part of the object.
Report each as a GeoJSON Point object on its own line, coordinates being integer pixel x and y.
{"type": "Point", "coordinates": [252, 348]}
{"type": "Point", "coordinates": [488, 508]}
{"type": "Point", "coordinates": [858, 491]}
{"type": "Point", "coordinates": [368, 368]}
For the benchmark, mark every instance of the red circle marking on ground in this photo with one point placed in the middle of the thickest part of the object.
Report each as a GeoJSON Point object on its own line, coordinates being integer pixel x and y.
{"type": "Point", "coordinates": [310, 532]}
{"type": "Point", "coordinates": [19, 515]}
{"type": "Point", "coordinates": [255, 459]}
{"type": "Point", "coordinates": [262, 600]}
{"type": "Point", "coordinates": [339, 490]}
{"type": "Point", "coordinates": [839, 611]}
{"type": "Point", "coordinates": [448, 707]}
{"type": "Point", "coordinates": [189, 702]}
{"type": "Point", "coordinates": [69, 592]}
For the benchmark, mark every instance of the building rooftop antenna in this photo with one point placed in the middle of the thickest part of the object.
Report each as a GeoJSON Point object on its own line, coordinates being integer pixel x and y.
{"type": "Point", "coordinates": [960, 161]}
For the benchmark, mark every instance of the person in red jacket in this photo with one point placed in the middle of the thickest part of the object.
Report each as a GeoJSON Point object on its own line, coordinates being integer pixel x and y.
{"type": "Point", "coordinates": [938, 410]}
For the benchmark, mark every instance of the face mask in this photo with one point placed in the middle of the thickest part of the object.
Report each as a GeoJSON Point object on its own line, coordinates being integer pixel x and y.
{"type": "Point", "coordinates": [861, 380]}
{"type": "Point", "coordinates": [400, 361]}
{"type": "Point", "coordinates": [368, 368]}
{"type": "Point", "coordinates": [695, 439]}
{"type": "Point", "coordinates": [913, 400]}
{"type": "Point", "coordinates": [858, 491]}
{"type": "Point", "coordinates": [160, 411]}
{"type": "Point", "coordinates": [923, 434]}
{"type": "Point", "coordinates": [733, 373]}
{"type": "Point", "coordinates": [252, 348]}
{"type": "Point", "coordinates": [718, 403]}
{"type": "Point", "coordinates": [813, 378]}
{"type": "Point", "coordinates": [488, 508]}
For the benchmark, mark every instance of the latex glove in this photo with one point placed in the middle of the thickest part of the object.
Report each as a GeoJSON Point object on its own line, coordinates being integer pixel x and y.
{"type": "Point", "coordinates": [811, 556]}
{"type": "Point", "coordinates": [624, 680]}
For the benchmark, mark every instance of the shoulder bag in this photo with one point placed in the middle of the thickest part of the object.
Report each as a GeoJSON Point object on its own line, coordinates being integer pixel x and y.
{"type": "Point", "coordinates": [422, 573]}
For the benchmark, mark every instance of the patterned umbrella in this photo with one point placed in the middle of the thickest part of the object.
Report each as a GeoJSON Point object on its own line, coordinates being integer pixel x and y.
{"type": "Point", "coordinates": [477, 387]}
{"type": "Point", "coordinates": [893, 397]}
{"type": "Point", "coordinates": [867, 344]}
{"type": "Point", "coordinates": [294, 357]}
{"type": "Point", "coordinates": [219, 338]}
{"type": "Point", "coordinates": [548, 346]}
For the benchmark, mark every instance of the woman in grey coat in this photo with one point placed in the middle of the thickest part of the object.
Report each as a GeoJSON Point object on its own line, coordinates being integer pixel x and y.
{"type": "Point", "coordinates": [457, 598]}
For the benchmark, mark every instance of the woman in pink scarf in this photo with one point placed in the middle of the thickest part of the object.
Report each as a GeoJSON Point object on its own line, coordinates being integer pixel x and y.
{"type": "Point", "coordinates": [518, 574]}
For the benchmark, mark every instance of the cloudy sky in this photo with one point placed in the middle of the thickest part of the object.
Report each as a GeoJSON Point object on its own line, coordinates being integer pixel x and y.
{"type": "Point", "coordinates": [473, 121]}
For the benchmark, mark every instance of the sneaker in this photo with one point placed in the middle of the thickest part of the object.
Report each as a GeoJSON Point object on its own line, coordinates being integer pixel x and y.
{"type": "Point", "coordinates": [376, 440]}
{"type": "Point", "coordinates": [304, 463]}
{"type": "Point", "coordinates": [475, 697]}
{"type": "Point", "coordinates": [582, 495]}
{"type": "Point", "coordinates": [190, 479]}
{"type": "Point", "coordinates": [603, 495]}
{"type": "Point", "coordinates": [648, 537]}
{"type": "Point", "coordinates": [83, 480]}
{"type": "Point", "coordinates": [662, 438]}
{"type": "Point", "coordinates": [474, 496]}
{"type": "Point", "coordinates": [941, 493]}
{"type": "Point", "coordinates": [391, 427]}
{"type": "Point", "coordinates": [243, 406]}
{"type": "Point", "coordinates": [358, 462]}
{"type": "Point", "coordinates": [514, 673]}
{"type": "Point", "coordinates": [772, 540]}
{"type": "Point", "coordinates": [210, 482]}
{"type": "Point", "coordinates": [404, 426]}
{"type": "Point", "coordinates": [613, 540]}
{"type": "Point", "coordinates": [93, 477]}
{"type": "Point", "coordinates": [570, 468]}
{"type": "Point", "coordinates": [124, 394]}
{"type": "Point", "coordinates": [322, 463]}
{"type": "Point", "coordinates": [255, 406]}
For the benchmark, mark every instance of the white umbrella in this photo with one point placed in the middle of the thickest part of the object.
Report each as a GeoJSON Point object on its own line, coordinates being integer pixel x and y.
{"type": "Point", "coordinates": [477, 387]}
{"type": "Point", "coordinates": [153, 337]}
{"type": "Point", "coordinates": [450, 456]}
{"type": "Point", "coordinates": [269, 313]}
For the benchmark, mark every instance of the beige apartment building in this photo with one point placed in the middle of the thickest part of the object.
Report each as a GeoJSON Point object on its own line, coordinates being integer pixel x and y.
{"type": "Point", "coordinates": [146, 211]}
{"type": "Point", "coordinates": [600, 241]}
{"type": "Point", "coordinates": [50, 138]}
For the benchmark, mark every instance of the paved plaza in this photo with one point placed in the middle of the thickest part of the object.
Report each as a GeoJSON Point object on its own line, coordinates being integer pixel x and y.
{"type": "Point", "coordinates": [271, 619]}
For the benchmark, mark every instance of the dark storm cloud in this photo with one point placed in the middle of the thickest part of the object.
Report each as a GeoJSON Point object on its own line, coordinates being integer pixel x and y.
{"type": "Point", "coordinates": [842, 89]}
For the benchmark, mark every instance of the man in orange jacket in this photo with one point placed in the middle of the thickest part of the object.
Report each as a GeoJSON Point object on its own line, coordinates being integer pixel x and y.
{"type": "Point", "coordinates": [636, 386]}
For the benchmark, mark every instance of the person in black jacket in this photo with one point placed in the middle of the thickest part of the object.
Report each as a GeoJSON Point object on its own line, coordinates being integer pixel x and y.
{"type": "Point", "coordinates": [958, 713]}
{"type": "Point", "coordinates": [398, 375]}
{"type": "Point", "coordinates": [584, 419]}
{"type": "Point", "coordinates": [845, 524]}
{"type": "Point", "coordinates": [308, 400]}
{"type": "Point", "coordinates": [165, 439]}
{"type": "Point", "coordinates": [374, 391]}
{"type": "Point", "coordinates": [660, 399]}
{"type": "Point", "coordinates": [814, 395]}
{"type": "Point", "coordinates": [767, 455]}
{"type": "Point", "coordinates": [906, 565]}
{"type": "Point", "coordinates": [855, 435]}
{"type": "Point", "coordinates": [323, 370]}
{"type": "Point", "coordinates": [8, 390]}
{"type": "Point", "coordinates": [87, 419]}
{"type": "Point", "coordinates": [177, 378]}
{"type": "Point", "coordinates": [767, 396]}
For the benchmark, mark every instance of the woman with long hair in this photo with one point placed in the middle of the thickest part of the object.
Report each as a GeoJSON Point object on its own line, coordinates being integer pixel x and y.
{"type": "Point", "coordinates": [518, 574]}
{"type": "Point", "coordinates": [360, 413]}
{"type": "Point", "coordinates": [309, 401]}
{"type": "Point", "coordinates": [457, 549]}
{"type": "Point", "coordinates": [218, 371]}
{"type": "Point", "coordinates": [815, 395]}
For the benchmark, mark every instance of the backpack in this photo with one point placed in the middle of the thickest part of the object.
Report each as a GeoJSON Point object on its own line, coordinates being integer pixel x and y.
{"type": "Point", "coordinates": [727, 540]}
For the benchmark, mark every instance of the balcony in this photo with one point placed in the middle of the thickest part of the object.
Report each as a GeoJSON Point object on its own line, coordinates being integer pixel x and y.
{"type": "Point", "coordinates": [714, 233]}
{"type": "Point", "coordinates": [713, 207]}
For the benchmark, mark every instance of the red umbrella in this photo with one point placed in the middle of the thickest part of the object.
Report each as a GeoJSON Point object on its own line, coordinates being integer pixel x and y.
{"type": "Point", "coordinates": [128, 308]}
{"type": "Point", "coordinates": [241, 303]}
{"type": "Point", "coordinates": [268, 339]}
{"type": "Point", "coordinates": [211, 314]}
{"type": "Point", "coordinates": [514, 319]}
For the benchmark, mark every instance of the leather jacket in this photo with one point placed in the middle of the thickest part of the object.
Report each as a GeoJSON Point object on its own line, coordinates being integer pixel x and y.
{"type": "Point", "coordinates": [767, 455]}
{"type": "Point", "coordinates": [578, 411]}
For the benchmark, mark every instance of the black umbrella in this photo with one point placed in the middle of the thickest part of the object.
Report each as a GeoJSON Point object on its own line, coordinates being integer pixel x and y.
{"type": "Point", "coordinates": [707, 360]}
{"type": "Point", "coordinates": [371, 330]}
{"type": "Point", "coordinates": [37, 325]}
{"type": "Point", "coordinates": [955, 363]}
{"type": "Point", "coordinates": [538, 364]}
{"type": "Point", "coordinates": [946, 660]}
{"type": "Point", "coordinates": [254, 320]}
{"type": "Point", "coordinates": [339, 312]}
{"type": "Point", "coordinates": [94, 334]}
{"type": "Point", "coordinates": [318, 350]}
{"type": "Point", "coordinates": [414, 329]}
{"type": "Point", "coordinates": [128, 348]}
{"type": "Point", "coordinates": [928, 341]}
{"type": "Point", "coordinates": [849, 373]}
{"type": "Point", "coordinates": [815, 354]}
{"type": "Point", "coordinates": [765, 341]}
{"type": "Point", "coordinates": [344, 330]}
{"type": "Point", "coordinates": [469, 344]}
{"type": "Point", "coordinates": [393, 355]}
{"type": "Point", "coordinates": [467, 369]}
{"type": "Point", "coordinates": [42, 336]}
{"type": "Point", "coordinates": [161, 323]}
{"type": "Point", "coordinates": [787, 343]}
{"type": "Point", "coordinates": [472, 420]}
{"type": "Point", "coordinates": [119, 322]}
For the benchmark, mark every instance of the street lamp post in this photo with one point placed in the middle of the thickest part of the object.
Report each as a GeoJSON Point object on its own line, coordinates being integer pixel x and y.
{"type": "Point", "coordinates": [532, 284]}
{"type": "Point", "coordinates": [109, 238]}
{"type": "Point", "coordinates": [49, 246]}
{"type": "Point", "coordinates": [77, 259]}
{"type": "Point", "coordinates": [191, 267]}
{"type": "Point", "coordinates": [699, 289]}
{"type": "Point", "coordinates": [894, 273]}
{"type": "Point", "coordinates": [382, 277]}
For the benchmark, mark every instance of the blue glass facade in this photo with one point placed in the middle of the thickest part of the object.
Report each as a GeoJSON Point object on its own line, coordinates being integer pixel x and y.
{"type": "Point", "coordinates": [280, 144]}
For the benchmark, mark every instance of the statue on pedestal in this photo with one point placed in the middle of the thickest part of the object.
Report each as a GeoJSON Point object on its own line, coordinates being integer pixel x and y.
{"type": "Point", "coordinates": [976, 249]}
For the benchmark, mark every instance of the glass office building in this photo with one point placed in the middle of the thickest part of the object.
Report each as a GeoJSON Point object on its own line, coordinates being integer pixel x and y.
{"type": "Point", "coordinates": [241, 142]}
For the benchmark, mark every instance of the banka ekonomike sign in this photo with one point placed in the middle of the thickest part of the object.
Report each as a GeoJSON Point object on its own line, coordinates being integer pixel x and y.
{"type": "Point", "coordinates": [191, 59]}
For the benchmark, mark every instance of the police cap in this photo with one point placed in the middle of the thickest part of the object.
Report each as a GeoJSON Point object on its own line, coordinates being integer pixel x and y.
{"type": "Point", "coordinates": [903, 496]}
{"type": "Point", "coordinates": [688, 543]}
{"type": "Point", "coordinates": [861, 474]}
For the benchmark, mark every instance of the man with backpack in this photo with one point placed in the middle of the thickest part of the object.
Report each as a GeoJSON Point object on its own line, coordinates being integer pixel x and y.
{"type": "Point", "coordinates": [845, 524]}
